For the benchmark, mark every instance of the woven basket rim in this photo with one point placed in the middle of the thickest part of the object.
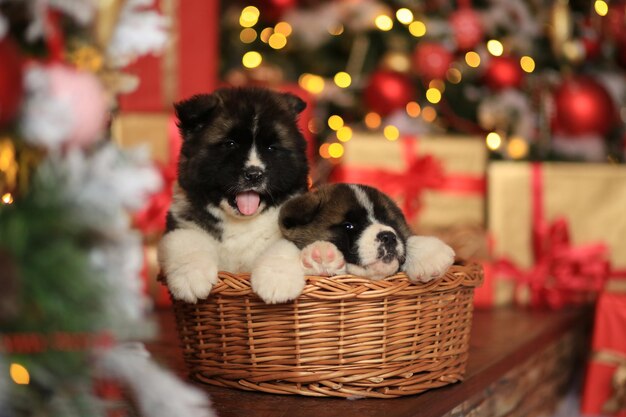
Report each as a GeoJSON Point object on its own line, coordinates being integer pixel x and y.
{"type": "Point", "coordinates": [342, 287]}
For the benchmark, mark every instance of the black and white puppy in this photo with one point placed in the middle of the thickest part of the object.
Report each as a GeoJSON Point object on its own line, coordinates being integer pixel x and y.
{"type": "Point", "coordinates": [242, 157]}
{"type": "Point", "coordinates": [353, 229]}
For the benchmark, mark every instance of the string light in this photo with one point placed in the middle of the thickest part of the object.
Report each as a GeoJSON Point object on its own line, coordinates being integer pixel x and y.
{"type": "Point", "coordinates": [429, 114]}
{"type": "Point", "coordinates": [344, 133]}
{"type": "Point", "coordinates": [413, 109]}
{"type": "Point", "coordinates": [335, 122]}
{"type": "Point", "coordinates": [454, 75]}
{"type": "Point", "coordinates": [601, 7]}
{"type": "Point", "coordinates": [493, 141]}
{"type": "Point", "coordinates": [265, 34]}
{"type": "Point", "coordinates": [438, 84]}
{"type": "Point", "coordinates": [472, 59]}
{"type": "Point", "coordinates": [335, 30]}
{"type": "Point", "coordinates": [383, 22]}
{"type": "Point", "coordinates": [283, 28]}
{"type": "Point", "coordinates": [251, 59]}
{"type": "Point", "coordinates": [391, 132]}
{"type": "Point", "coordinates": [372, 120]}
{"type": "Point", "coordinates": [335, 150]}
{"type": "Point", "coordinates": [249, 16]}
{"type": "Point", "coordinates": [313, 126]}
{"type": "Point", "coordinates": [277, 40]}
{"type": "Point", "coordinates": [417, 29]}
{"type": "Point", "coordinates": [312, 83]}
{"type": "Point", "coordinates": [495, 47]}
{"type": "Point", "coordinates": [247, 35]}
{"type": "Point", "coordinates": [343, 79]}
{"type": "Point", "coordinates": [19, 374]}
{"type": "Point", "coordinates": [7, 198]}
{"type": "Point", "coordinates": [433, 95]}
{"type": "Point", "coordinates": [517, 148]}
{"type": "Point", "coordinates": [324, 150]}
{"type": "Point", "coordinates": [527, 64]}
{"type": "Point", "coordinates": [404, 15]}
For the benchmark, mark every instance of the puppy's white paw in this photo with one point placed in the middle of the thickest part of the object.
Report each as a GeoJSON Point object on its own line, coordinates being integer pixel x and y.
{"type": "Point", "coordinates": [277, 276]}
{"type": "Point", "coordinates": [427, 258]}
{"type": "Point", "coordinates": [192, 281]}
{"type": "Point", "coordinates": [322, 258]}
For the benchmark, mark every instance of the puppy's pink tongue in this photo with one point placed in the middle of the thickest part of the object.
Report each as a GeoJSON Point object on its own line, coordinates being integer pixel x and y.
{"type": "Point", "coordinates": [248, 202]}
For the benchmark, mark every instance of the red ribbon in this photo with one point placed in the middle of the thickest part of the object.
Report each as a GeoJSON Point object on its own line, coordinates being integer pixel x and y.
{"type": "Point", "coordinates": [562, 273]}
{"type": "Point", "coordinates": [422, 172]}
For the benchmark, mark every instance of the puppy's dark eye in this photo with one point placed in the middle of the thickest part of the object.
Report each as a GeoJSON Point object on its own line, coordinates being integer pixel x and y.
{"type": "Point", "coordinates": [229, 144]}
{"type": "Point", "coordinates": [347, 226]}
{"type": "Point", "coordinates": [272, 148]}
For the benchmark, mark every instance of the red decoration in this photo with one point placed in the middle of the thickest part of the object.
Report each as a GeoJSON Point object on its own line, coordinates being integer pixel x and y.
{"type": "Point", "coordinates": [11, 87]}
{"type": "Point", "coordinates": [467, 28]}
{"type": "Point", "coordinates": [583, 106]}
{"type": "Point", "coordinates": [503, 72]}
{"type": "Point", "coordinates": [431, 60]}
{"type": "Point", "coordinates": [621, 54]}
{"type": "Point", "coordinates": [613, 22]}
{"type": "Point", "coordinates": [273, 10]}
{"type": "Point", "coordinates": [607, 365]}
{"type": "Point", "coordinates": [388, 91]}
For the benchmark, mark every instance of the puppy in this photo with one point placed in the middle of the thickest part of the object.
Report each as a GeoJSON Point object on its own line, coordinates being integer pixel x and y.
{"type": "Point", "coordinates": [353, 229]}
{"type": "Point", "coordinates": [242, 157]}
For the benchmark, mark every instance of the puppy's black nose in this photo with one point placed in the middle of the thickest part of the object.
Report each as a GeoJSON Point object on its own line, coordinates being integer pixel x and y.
{"type": "Point", "coordinates": [253, 174]}
{"type": "Point", "coordinates": [388, 238]}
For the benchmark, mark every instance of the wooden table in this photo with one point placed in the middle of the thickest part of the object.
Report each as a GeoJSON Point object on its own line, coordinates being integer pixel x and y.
{"type": "Point", "coordinates": [520, 361]}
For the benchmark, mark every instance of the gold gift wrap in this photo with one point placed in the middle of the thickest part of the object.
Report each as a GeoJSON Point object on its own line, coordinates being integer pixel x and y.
{"type": "Point", "coordinates": [591, 197]}
{"type": "Point", "coordinates": [130, 130]}
{"type": "Point", "coordinates": [458, 155]}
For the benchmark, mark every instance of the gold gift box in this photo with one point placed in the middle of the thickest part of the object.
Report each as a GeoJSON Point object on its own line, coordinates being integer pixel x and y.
{"type": "Point", "coordinates": [130, 130]}
{"type": "Point", "coordinates": [592, 197]}
{"type": "Point", "coordinates": [458, 155]}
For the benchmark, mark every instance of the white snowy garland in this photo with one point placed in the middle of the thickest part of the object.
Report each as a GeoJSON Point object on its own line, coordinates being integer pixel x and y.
{"type": "Point", "coordinates": [158, 391]}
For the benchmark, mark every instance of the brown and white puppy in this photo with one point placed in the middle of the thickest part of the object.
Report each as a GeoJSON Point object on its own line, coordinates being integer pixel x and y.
{"type": "Point", "coordinates": [353, 229]}
{"type": "Point", "coordinates": [242, 157]}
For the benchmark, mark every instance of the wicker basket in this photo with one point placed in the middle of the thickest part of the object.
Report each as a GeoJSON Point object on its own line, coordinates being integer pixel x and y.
{"type": "Point", "coordinates": [344, 336]}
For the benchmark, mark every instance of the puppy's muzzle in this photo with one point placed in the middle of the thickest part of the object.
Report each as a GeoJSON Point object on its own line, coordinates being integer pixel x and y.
{"type": "Point", "coordinates": [253, 175]}
{"type": "Point", "coordinates": [387, 249]}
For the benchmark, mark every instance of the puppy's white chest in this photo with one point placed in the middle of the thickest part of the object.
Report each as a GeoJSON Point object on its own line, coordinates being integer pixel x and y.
{"type": "Point", "coordinates": [244, 240]}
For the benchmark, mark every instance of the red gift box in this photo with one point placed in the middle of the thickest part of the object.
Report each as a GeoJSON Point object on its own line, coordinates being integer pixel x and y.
{"type": "Point", "coordinates": [189, 63]}
{"type": "Point", "coordinates": [604, 391]}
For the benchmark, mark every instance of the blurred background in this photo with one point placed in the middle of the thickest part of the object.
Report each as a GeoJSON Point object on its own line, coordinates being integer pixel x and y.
{"type": "Point", "coordinates": [497, 125]}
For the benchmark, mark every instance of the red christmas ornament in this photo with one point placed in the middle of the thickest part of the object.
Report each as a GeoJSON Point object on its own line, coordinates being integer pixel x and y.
{"type": "Point", "coordinates": [431, 60]}
{"type": "Point", "coordinates": [11, 86]}
{"type": "Point", "coordinates": [620, 54]}
{"type": "Point", "coordinates": [467, 28]}
{"type": "Point", "coordinates": [582, 107]}
{"type": "Point", "coordinates": [388, 91]}
{"type": "Point", "coordinates": [613, 22]}
{"type": "Point", "coordinates": [503, 72]}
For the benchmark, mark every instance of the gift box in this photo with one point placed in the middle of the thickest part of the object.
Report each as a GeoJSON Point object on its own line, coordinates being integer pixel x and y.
{"type": "Point", "coordinates": [556, 228]}
{"type": "Point", "coordinates": [189, 63]}
{"type": "Point", "coordinates": [604, 390]}
{"type": "Point", "coordinates": [437, 181]}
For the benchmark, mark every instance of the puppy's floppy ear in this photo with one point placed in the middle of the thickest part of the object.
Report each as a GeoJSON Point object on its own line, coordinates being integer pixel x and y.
{"type": "Point", "coordinates": [295, 102]}
{"type": "Point", "coordinates": [299, 211]}
{"type": "Point", "coordinates": [194, 112]}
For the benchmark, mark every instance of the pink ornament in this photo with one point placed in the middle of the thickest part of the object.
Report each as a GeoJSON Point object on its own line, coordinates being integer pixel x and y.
{"type": "Point", "coordinates": [82, 92]}
{"type": "Point", "coordinates": [431, 60]}
{"type": "Point", "coordinates": [467, 28]}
